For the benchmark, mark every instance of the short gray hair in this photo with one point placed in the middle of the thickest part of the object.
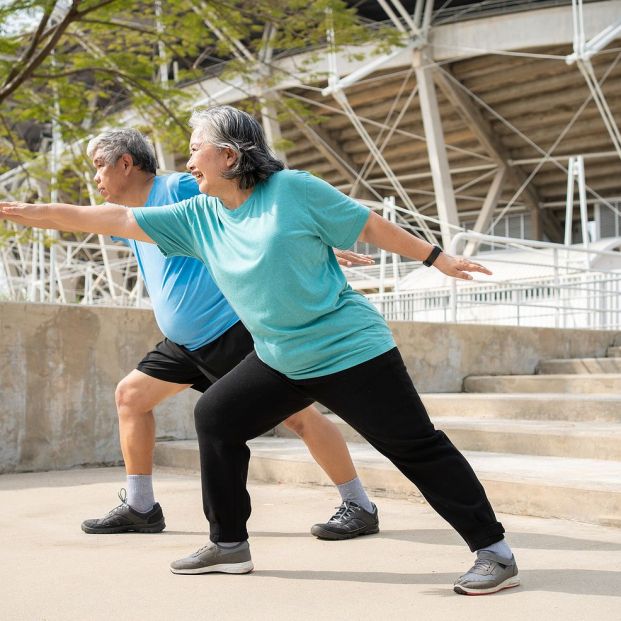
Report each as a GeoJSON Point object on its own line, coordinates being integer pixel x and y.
{"type": "Point", "coordinates": [225, 126]}
{"type": "Point", "coordinates": [114, 143]}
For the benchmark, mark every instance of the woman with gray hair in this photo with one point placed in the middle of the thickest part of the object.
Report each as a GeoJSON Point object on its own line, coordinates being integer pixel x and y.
{"type": "Point", "coordinates": [315, 338]}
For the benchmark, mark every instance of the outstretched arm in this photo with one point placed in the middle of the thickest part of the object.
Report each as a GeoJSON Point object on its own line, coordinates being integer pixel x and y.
{"type": "Point", "coordinates": [389, 236]}
{"type": "Point", "coordinates": [105, 219]}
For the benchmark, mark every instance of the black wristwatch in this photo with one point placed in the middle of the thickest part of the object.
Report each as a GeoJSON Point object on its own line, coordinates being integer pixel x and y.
{"type": "Point", "coordinates": [433, 256]}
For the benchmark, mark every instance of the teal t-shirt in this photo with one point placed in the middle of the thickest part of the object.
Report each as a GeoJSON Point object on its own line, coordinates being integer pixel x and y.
{"type": "Point", "coordinates": [272, 258]}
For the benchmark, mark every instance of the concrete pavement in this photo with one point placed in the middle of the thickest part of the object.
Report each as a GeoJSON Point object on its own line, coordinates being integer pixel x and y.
{"type": "Point", "coordinates": [52, 571]}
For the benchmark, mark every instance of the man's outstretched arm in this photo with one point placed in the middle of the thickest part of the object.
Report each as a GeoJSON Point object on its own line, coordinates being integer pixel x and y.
{"type": "Point", "coordinates": [104, 219]}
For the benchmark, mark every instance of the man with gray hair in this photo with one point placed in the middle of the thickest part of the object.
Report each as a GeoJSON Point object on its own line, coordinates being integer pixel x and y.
{"type": "Point", "coordinates": [204, 341]}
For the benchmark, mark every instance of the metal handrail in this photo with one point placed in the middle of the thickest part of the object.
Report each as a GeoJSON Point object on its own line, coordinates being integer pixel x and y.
{"type": "Point", "coordinates": [571, 292]}
{"type": "Point", "coordinates": [522, 244]}
{"type": "Point", "coordinates": [525, 244]}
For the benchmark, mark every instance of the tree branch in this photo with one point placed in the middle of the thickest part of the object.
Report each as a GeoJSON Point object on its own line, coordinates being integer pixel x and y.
{"type": "Point", "coordinates": [120, 24]}
{"type": "Point", "coordinates": [53, 35]}
{"type": "Point", "coordinates": [22, 75]}
{"type": "Point", "coordinates": [124, 77]}
{"type": "Point", "coordinates": [90, 9]}
{"type": "Point", "coordinates": [36, 38]}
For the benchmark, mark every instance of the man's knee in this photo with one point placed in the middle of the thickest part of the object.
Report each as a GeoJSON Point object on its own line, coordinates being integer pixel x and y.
{"type": "Point", "coordinates": [128, 398]}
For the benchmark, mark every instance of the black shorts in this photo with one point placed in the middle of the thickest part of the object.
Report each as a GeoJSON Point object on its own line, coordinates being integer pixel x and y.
{"type": "Point", "coordinates": [201, 367]}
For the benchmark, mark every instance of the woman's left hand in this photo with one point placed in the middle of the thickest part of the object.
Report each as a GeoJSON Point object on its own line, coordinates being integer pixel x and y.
{"type": "Point", "coordinates": [348, 258]}
{"type": "Point", "coordinates": [458, 267]}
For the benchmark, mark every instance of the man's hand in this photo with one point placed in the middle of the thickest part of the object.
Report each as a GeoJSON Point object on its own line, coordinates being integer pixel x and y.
{"type": "Point", "coordinates": [22, 212]}
{"type": "Point", "coordinates": [348, 258]}
{"type": "Point", "coordinates": [458, 267]}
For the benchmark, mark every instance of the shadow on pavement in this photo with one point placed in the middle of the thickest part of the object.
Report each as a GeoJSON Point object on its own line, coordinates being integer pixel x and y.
{"type": "Point", "coordinates": [572, 581]}
{"type": "Point", "coordinates": [527, 541]}
{"type": "Point", "coordinates": [438, 536]}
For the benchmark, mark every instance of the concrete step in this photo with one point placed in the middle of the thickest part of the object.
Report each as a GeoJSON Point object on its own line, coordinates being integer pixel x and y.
{"type": "Point", "coordinates": [558, 438]}
{"type": "Point", "coordinates": [525, 406]}
{"type": "Point", "coordinates": [614, 352]}
{"type": "Point", "coordinates": [578, 489]}
{"type": "Point", "coordinates": [528, 437]}
{"type": "Point", "coordinates": [580, 365]}
{"type": "Point", "coordinates": [600, 383]}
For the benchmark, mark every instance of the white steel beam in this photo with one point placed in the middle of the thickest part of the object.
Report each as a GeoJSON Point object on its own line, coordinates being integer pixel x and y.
{"type": "Point", "coordinates": [269, 109]}
{"type": "Point", "coordinates": [165, 158]}
{"type": "Point", "coordinates": [511, 33]}
{"type": "Point", "coordinates": [596, 44]}
{"type": "Point", "coordinates": [333, 153]}
{"type": "Point", "coordinates": [438, 159]}
{"type": "Point", "coordinates": [481, 128]}
{"type": "Point", "coordinates": [486, 214]}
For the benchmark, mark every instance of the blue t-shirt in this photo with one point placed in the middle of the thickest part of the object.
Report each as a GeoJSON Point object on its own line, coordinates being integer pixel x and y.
{"type": "Point", "coordinates": [189, 308]}
{"type": "Point", "coordinates": [272, 258]}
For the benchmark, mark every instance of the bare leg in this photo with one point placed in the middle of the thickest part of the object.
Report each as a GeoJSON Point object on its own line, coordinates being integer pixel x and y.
{"type": "Point", "coordinates": [136, 396]}
{"type": "Point", "coordinates": [325, 443]}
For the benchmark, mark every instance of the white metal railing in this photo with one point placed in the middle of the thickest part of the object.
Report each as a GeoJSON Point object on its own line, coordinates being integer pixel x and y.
{"type": "Point", "coordinates": [570, 293]}
{"type": "Point", "coordinates": [88, 271]}
{"type": "Point", "coordinates": [370, 276]}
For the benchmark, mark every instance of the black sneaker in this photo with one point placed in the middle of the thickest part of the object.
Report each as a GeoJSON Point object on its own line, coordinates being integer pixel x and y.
{"type": "Point", "coordinates": [124, 519]}
{"type": "Point", "coordinates": [349, 521]}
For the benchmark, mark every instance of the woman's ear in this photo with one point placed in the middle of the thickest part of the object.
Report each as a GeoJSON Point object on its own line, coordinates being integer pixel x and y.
{"type": "Point", "coordinates": [230, 157]}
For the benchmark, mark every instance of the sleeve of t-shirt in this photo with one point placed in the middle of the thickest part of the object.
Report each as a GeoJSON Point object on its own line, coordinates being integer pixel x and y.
{"type": "Point", "coordinates": [182, 186]}
{"type": "Point", "coordinates": [338, 219]}
{"type": "Point", "coordinates": [171, 227]}
{"type": "Point", "coordinates": [121, 240]}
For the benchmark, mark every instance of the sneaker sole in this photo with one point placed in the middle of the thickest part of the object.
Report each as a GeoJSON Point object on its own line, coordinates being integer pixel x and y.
{"type": "Point", "coordinates": [223, 568]}
{"type": "Point", "coordinates": [509, 583]}
{"type": "Point", "coordinates": [327, 535]}
{"type": "Point", "coordinates": [151, 528]}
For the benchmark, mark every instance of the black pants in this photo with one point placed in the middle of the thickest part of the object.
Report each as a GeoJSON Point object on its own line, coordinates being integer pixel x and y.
{"type": "Point", "coordinates": [377, 398]}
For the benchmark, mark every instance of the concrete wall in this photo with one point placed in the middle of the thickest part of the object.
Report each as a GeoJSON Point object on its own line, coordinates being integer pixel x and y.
{"type": "Point", "coordinates": [59, 366]}
{"type": "Point", "coordinates": [439, 356]}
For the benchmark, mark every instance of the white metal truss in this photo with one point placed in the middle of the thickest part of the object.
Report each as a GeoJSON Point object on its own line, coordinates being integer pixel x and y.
{"type": "Point", "coordinates": [93, 271]}
{"type": "Point", "coordinates": [583, 52]}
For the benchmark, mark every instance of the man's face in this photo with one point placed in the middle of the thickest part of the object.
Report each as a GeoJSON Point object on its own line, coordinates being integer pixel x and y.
{"type": "Point", "coordinates": [207, 163]}
{"type": "Point", "coordinates": [111, 179]}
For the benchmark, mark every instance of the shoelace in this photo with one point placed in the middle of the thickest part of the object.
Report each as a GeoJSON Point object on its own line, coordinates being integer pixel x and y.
{"type": "Point", "coordinates": [123, 498]}
{"type": "Point", "coordinates": [346, 510]}
{"type": "Point", "coordinates": [200, 550]}
{"type": "Point", "coordinates": [483, 565]}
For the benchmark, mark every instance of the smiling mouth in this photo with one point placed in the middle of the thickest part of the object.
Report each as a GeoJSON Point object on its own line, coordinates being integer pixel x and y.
{"type": "Point", "coordinates": [198, 176]}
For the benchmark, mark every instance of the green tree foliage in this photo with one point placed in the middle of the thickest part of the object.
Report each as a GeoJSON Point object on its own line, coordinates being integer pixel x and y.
{"type": "Point", "coordinates": [87, 64]}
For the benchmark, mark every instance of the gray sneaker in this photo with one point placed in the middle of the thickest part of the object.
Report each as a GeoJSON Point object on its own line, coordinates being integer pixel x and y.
{"type": "Point", "coordinates": [211, 558]}
{"type": "Point", "coordinates": [490, 573]}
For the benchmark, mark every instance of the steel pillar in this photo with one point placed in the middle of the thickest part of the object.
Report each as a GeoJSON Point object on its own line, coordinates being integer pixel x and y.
{"type": "Point", "coordinates": [436, 147]}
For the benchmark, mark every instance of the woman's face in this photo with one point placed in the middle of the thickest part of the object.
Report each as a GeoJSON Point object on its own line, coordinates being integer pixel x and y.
{"type": "Point", "coordinates": [207, 163]}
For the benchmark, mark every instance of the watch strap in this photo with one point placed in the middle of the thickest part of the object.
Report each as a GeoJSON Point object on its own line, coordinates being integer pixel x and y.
{"type": "Point", "coordinates": [433, 256]}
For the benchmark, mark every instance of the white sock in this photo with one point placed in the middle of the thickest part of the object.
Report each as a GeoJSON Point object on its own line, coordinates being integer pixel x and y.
{"type": "Point", "coordinates": [140, 492]}
{"type": "Point", "coordinates": [500, 547]}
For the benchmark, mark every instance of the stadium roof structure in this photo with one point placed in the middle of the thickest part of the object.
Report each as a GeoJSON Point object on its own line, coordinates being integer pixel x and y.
{"type": "Point", "coordinates": [487, 109]}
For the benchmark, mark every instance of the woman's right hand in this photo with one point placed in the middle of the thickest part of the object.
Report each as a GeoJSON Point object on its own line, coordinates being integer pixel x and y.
{"type": "Point", "coordinates": [458, 267]}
